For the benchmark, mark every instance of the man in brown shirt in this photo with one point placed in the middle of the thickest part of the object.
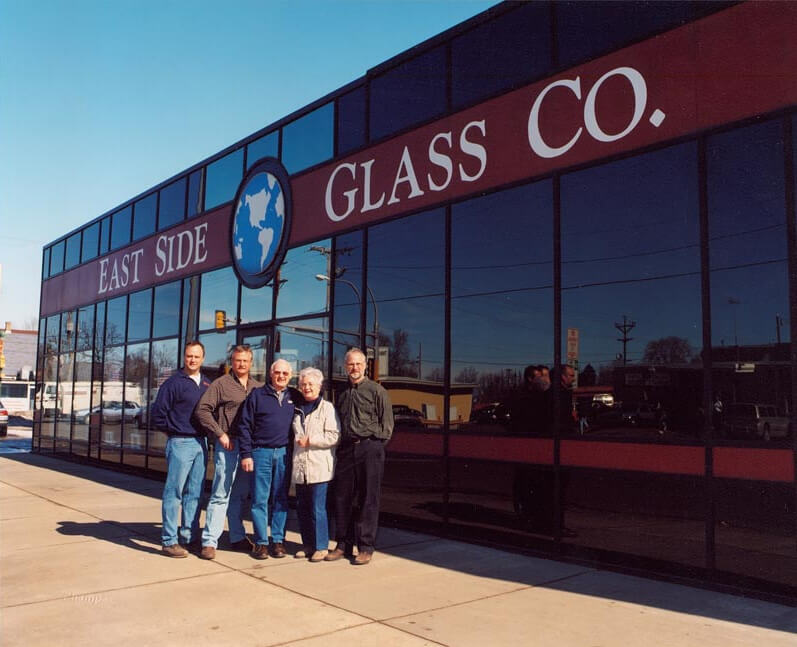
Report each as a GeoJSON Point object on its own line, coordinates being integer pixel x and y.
{"type": "Point", "coordinates": [218, 413]}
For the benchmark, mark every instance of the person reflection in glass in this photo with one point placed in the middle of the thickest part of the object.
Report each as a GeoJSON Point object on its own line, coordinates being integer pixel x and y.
{"type": "Point", "coordinates": [531, 408]}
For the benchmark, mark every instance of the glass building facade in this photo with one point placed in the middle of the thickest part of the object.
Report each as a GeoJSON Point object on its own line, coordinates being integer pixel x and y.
{"type": "Point", "coordinates": [530, 188]}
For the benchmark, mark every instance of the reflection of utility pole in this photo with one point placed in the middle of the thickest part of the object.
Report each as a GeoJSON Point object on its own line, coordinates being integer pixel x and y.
{"type": "Point", "coordinates": [778, 325]}
{"type": "Point", "coordinates": [625, 328]}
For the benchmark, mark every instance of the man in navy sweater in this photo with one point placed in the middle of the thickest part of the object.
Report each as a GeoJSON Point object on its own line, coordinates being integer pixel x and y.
{"type": "Point", "coordinates": [186, 451]}
{"type": "Point", "coordinates": [264, 431]}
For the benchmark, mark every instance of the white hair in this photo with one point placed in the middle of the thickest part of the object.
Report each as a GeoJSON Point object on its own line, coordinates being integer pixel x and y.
{"type": "Point", "coordinates": [311, 374]}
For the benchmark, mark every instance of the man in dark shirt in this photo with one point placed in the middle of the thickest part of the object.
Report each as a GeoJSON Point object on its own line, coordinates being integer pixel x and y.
{"type": "Point", "coordinates": [186, 451]}
{"type": "Point", "coordinates": [366, 424]}
{"type": "Point", "coordinates": [264, 428]}
{"type": "Point", "coordinates": [218, 413]}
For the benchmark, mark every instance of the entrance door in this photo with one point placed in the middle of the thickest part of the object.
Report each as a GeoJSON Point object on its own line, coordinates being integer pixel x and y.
{"type": "Point", "coordinates": [259, 339]}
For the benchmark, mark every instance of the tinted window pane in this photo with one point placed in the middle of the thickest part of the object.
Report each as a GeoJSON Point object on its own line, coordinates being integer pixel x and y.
{"type": "Point", "coordinates": [300, 292]}
{"type": "Point", "coordinates": [588, 29]}
{"type": "Point", "coordinates": [164, 362]}
{"type": "Point", "coordinates": [91, 242]}
{"type": "Point", "coordinates": [190, 309]}
{"type": "Point", "coordinates": [172, 204]}
{"type": "Point", "coordinates": [166, 316]}
{"type": "Point", "coordinates": [256, 305]}
{"type": "Point", "coordinates": [308, 140]}
{"type": "Point", "coordinates": [502, 54]}
{"type": "Point", "coordinates": [57, 258]}
{"type": "Point", "coordinates": [85, 334]}
{"type": "Point", "coordinates": [631, 268]}
{"type": "Point", "coordinates": [99, 331]}
{"type": "Point", "coordinates": [195, 203]}
{"type": "Point", "coordinates": [144, 216]}
{"type": "Point", "coordinates": [111, 404]}
{"type": "Point", "coordinates": [219, 292]}
{"type": "Point", "coordinates": [46, 263]}
{"type": "Point", "coordinates": [53, 330]}
{"type": "Point", "coordinates": [412, 92]}
{"type": "Point", "coordinates": [351, 121]}
{"type": "Point", "coordinates": [105, 235]}
{"type": "Point", "coordinates": [223, 177]}
{"type": "Point", "coordinates": [115, 321]}
{"type": "Point", "coordinates": [120, 228]}
{"type": "Point", "coordinates": [406, 279]}
{"type": "Point", "coordinates": [217, 352]}
{"type": "Point", "coordinates": [348, 271]}
{"type": "Point", "coordinates": [501, 302]}
{"type": "Point", "coordinates": [266, 146]}
{"type": "Point", "coordinates": [72, 251]}
{"type": "Point", "coordinates": [133, 413]}
{"type": "Point", "coordinates": [68, 331]}
{"type": "Point", "coordinates": [64, 401]}
{"type": "Point", "coordinates": [303, 344]}
{"type": "Point", "coordinates": [139, 311]}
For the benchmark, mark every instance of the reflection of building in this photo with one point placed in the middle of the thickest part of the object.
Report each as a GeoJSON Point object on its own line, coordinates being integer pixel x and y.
{"type": "Point", "coordinates": [535, 169]}
{"type": "Point", "coordinates": [19, 350]}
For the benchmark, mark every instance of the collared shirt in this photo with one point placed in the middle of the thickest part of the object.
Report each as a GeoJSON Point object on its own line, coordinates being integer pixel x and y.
{"type": "Point", "coordinates": [365, 411]}
{"type": "Point", "coordinates": [218, 410]}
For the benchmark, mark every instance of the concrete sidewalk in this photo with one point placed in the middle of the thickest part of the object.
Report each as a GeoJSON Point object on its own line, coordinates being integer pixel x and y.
{"type": "Point", "coordinates": [80, 564]}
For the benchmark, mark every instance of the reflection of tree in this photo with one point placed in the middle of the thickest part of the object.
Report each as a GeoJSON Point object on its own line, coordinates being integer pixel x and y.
{"type": "Point", "coordinates": [400, 364]}
{"type": "Point", "coordinates": [587, 377]}
{"type": "Point", "coordinates": [137, 368]}
{"type": "Point", "coordinates": [467, 375]}
{"type": "Point", "coordinates": [668, 350]}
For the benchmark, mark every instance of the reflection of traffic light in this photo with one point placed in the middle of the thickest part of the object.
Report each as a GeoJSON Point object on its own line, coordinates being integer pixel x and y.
{"type": "Point", "coordinates": [221, 319]}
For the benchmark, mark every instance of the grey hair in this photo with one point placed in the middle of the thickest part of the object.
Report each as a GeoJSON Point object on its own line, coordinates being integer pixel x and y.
{"type": "Point", "coordinates": [311, 374]}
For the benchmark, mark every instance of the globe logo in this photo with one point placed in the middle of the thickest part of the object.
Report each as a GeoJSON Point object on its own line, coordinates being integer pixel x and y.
{"type": "Point", "coordinates": [260, 223]}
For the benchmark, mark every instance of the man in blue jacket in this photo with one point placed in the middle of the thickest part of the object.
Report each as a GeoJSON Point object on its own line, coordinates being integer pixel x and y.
{"type": "Point", "coordinates": [186, 451]}
{"type": "Point", "coordinates": [264, 430]}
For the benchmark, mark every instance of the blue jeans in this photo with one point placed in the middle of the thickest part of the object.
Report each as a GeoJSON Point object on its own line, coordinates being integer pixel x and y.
{"type": "Point", "coordinates": [311, 506]}
{"type": "Point", "coordinates": [270, 482]}
{"type": "Point", "coordinates": [227, 496]}
{"type": "Point", "coordinates": [186, 459]}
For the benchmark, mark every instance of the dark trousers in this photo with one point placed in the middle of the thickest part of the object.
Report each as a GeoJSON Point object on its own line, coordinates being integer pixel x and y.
{"type": "Point", "coordinates": [358, 482]}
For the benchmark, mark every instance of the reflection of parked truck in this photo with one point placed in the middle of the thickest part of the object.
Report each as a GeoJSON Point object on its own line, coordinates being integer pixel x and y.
{"type": "Point", "coordinates": [17, 395]}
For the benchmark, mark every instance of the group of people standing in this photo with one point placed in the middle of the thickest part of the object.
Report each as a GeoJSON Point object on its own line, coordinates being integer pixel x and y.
{"type": "Point", "coordinates": [268, 436]}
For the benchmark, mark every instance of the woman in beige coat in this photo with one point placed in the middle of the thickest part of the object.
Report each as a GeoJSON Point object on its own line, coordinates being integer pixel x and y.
{"type": "Point", "coordinates": [316, 431]}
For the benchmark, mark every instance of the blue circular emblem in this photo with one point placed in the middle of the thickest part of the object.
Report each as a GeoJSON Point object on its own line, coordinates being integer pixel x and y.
{"type": "Point", "coordinates": [260, 225]}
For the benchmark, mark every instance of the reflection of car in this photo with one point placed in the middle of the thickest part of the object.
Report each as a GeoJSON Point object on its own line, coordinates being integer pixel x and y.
{"type": "Point", "coordinates": [630, 415]}
{"type": "Point", "coordinates": [492, 413]}
{"type": "Point", "coordinates": [762, 420]}
{"type": "Point", "coordinates": [112, 411]}
{"type": "Point", "coordinates": [3, 420]}
{"type": "Point", "coordinates": [406, 417]}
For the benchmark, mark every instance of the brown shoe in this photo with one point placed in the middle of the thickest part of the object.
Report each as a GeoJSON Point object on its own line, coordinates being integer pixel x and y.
{"type": "Point", "coordinates": [362, 559]}
{"type": "Point", "coordinates": [319, 556]}
{"type": "Point", "coordinates": [175, 550]}
{"type": "Point", "coordinates": [207, 552]}
{"type": "Point", "coordinates": [335, 555]}
{"type": "Point", "coordinates": [260, 552]}
{"type": "Point", "coordinates": [244, 545]}
{"type": "Point", "coordinates": [278, 550]}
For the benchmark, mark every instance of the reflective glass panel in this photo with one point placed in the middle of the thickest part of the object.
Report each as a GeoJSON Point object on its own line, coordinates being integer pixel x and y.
{"type": "Point", "coordinates": [300, 292]}
{"type": "Point", "coordinates": [53, 329]}
{"type": "Point", "coordinates": [81, 403]}
{"type": "Point", "coordinates": [138, 316]}
{"type": "Point", "coordinates": [501, 305]}
{"type": "Point", "coordinates": [309, 139]}
{"type": "Point", "coordinates": [410, 93]}
{"type": "Point", "coordinates": [68, 330]}
{"type": "Point", "coordinates": [46, 263]}
{"type": "Point", "coordinates": [91, 242]}
{"type": "Point", "coordinates": [72, 251]}
{"type": "Point", "coordinates": [133, 412]}
{"type": "Point", "coordinates": [57, 258]}
{"type": "Point", "coordinates": [256, 305]}
{"type": "Point", "coordinates": [110, 408]}
{"type": "Point", "coordinates": [64, 401]}
{"type": "Point", "coordinates": [115, 321]}
{"type": "Point", "coordinates": [223, 177]}
{"type": "Point", "coordinates": [351, 120]}
{"type": "Point", "coordinates": [265, 146]}
{"type": "Point", "coordinates": [166, 315]}
{"type": "Point", "coordinates": [120, 227]}
{"type": "Point", "coordinates": [144, 215]}
{"type": "Point", "coordinates": [190, 309]}
{"type": "Point", "coordinates": [85, 331]}
{"type": "Point", "coordinates": [105, 235]}
{"type": "Point", "coordinates": [165, 361]}
{"type": "Point", "coordinates": [303, 344]}
{"type": "Point", "coordinates": [501, 54]}
{"type": "Point", "coordinates": [195, 202]}
{"type": "Point", "coordinates": [219, 292]}
{"type": "Point", "coordinates": [348, 272]}
{"type": "Point", "coordinates": [171, 209]}
{"type": "Point", "coordinates": [217, 353]}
